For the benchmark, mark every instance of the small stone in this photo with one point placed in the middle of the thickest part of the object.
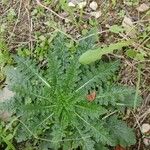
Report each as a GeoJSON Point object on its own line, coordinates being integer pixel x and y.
{"type": "Point", "coordinates": [143, 7]}
{"type": "Point", "coordinates": [129, 27]}
{"type": "Point", "coordinates": [145, 128]}
{"type": "Point", "coordinates": [127, 22]}
{"type": "Point", "coordinates": [96, 14]}
{"type": "Point", "coordinates": [67, 20]}
{"type": "Point", "coordinates": [146, 141]}
{"type": "Point", "coordinates": [93, 5]}
{"type": "Point", "coordinates": [71, 4]}
{"type": "Point", "coordinates": [4, 116]}
{"type": "Point", "coordinates": [82, 4]}
{"type": "Point", "coordinates": [6, 94]}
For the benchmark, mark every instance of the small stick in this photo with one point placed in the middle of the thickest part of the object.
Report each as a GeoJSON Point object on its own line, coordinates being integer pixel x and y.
{"type": "Point", "coordinates": [53, 12]}
{"type": "Point", "coordinates": [17, 21]}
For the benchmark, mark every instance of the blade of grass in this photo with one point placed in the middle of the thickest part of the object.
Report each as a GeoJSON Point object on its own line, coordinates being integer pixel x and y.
{"type": "Point", "coordinates": [137, 88]}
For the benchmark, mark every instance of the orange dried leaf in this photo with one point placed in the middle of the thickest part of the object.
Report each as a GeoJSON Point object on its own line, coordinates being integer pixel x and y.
{"type": "Point", "coordinates": [91, 97]}
{"type": "Point", "coordinates": [119, 148]}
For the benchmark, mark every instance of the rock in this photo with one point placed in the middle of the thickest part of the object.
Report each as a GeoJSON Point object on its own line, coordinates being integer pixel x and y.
{"type": "Point", "coordinates": [145, 128]}
{"type": "Point", "coordinates": [146, 141]}
{"type": "Point", "coordinates": [127, 22]}
{"type": "Point", "coordinates": [5, 116]}
{"type": "Point", "coordinates": [71, 4]}
{"type": "Point", "coordinates": [96, 14]}
{"type": "Point", "coordinates": [129, 27]}
{"type": "Point", "coordinates": [82, 4]}
{"type": "Point", "coordinates": [6, 94]}
{"type": "Point", "coordinates": [93, 5]}
{"type": "Point", "coordinates": [143, 7]}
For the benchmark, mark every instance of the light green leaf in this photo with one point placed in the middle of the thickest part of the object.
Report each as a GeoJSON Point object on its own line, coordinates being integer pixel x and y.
{"type": "Point", "coordinates": [116, 29]}
{"type": "Point", "coordinates": [90, 56]}
{"type": "Point", "coordinates": [121, 133]}
{"type": "Point", "coordinates": [131, 53]}
{"type": "Point", "coordinates": [93, 55]}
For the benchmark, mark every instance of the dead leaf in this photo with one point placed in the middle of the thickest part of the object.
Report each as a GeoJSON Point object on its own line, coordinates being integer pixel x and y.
{"type": "Point", "coordinates": [96, 14]}
{"type": "Point", "coordinates": [127, 22]}
{"type": "Point", "coordinates": [91, 97]}
{"type": "Point", "coordinates": [119, 148]}
{"type": "Point", "coordinates": [129, 27]}
{"type": "Point", "coordinates": [143, 7]}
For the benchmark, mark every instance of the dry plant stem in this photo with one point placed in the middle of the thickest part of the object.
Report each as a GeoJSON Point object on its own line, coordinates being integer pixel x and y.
{"type": "Point", "coordinates": [93, 35]}
{"type": "Point", "coordinates": [19, 43]}
{"type": "Point", "coordinates": [137, 87]}
{"type": "Point", "coordinates": [6, 10]}
{"type": "Point", "coordinates": [134, 26]}
{"type": "Point", "coordinates": [142, 117]}
{"type": "Point", "coordinates": [137, 120]}
{"type": "Point", "coordinates": [141, 21]}
{"type": "Point", "coordinates": [143, 42]}
{"type": "Point", "coordinates": [141, 61]}
{"type": "Point", "coordinates": [146, 40]}
{"type": "Point", "coordinates": [139, 144]}
{"type": "Point", "coordinates": [30, 36]}
{"type": "Point", "coordinates": [69, 36]}
{"type": "Point", "coordinates": [127, 62]}
{"type": "Point", "coordinates": [9, 39]}
{"type": "Point", "coordinates": [147, 101]}
{"type": "Point", "coordinates": [31, 30]}
{"type": "Point", "coordinates": [109, 114]}
{"type": "Point", "coordinates": [135, 45]}
{"type": "Point", "coordinates": [53, 12]}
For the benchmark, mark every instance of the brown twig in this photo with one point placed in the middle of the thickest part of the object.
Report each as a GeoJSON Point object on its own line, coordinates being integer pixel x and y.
{"type": "Point", "coordinates": [53, 12]}
{"type": "Point", "coordinates": [17, 21]}
{"type": "Point", "coordinates": [30, 27]}
{"type": "Point", "coordinates": [105, 31]}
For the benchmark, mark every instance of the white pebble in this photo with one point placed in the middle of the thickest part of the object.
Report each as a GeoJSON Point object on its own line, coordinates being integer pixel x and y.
{"type": "Point", "coordinates": [145, 128]}
{"type": "Point", "coordinates": [82, 4]}
{"type": "Point", "coordinates": [93, 5]}
{"type": "Point", "coordinates": [143, 7]}
{"type": "Point", "coordinates": [70, 4]}
{"type": "Point", "coordinates": [146, 141]}
{"type": "Point", "coordinates": [96, 14]}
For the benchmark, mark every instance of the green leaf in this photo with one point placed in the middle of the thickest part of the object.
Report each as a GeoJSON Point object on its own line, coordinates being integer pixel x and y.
{"type": "Point", "coordinates": [91, 109]}
{"type": "Point", "coordinates": [116, 29]}
{"type": "Point", "coordinates": [88, 143]}
{"type": "Point", "coordinates": [50, 100]}
{"type": "Point", "coordinates": [139, 56]}
{"type": "Point", "coordinates": [90, 56]}
{"type": "Point", "coordinates": [93, 55]}
{"type": "Point", "coordinates": [117, 95]}
{"type": "Point", "coordinates": [121, 134]}
{"type": "Point", "coordinates": [100, 146]}
{"type": "Point", "coordinates": [131, 53]}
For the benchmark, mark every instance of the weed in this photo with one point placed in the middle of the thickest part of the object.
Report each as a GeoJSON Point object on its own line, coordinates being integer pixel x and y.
{"type": "Point", "coordinates": [6, 135]}
{"type": "Point", "coordinates": [69, 105]}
